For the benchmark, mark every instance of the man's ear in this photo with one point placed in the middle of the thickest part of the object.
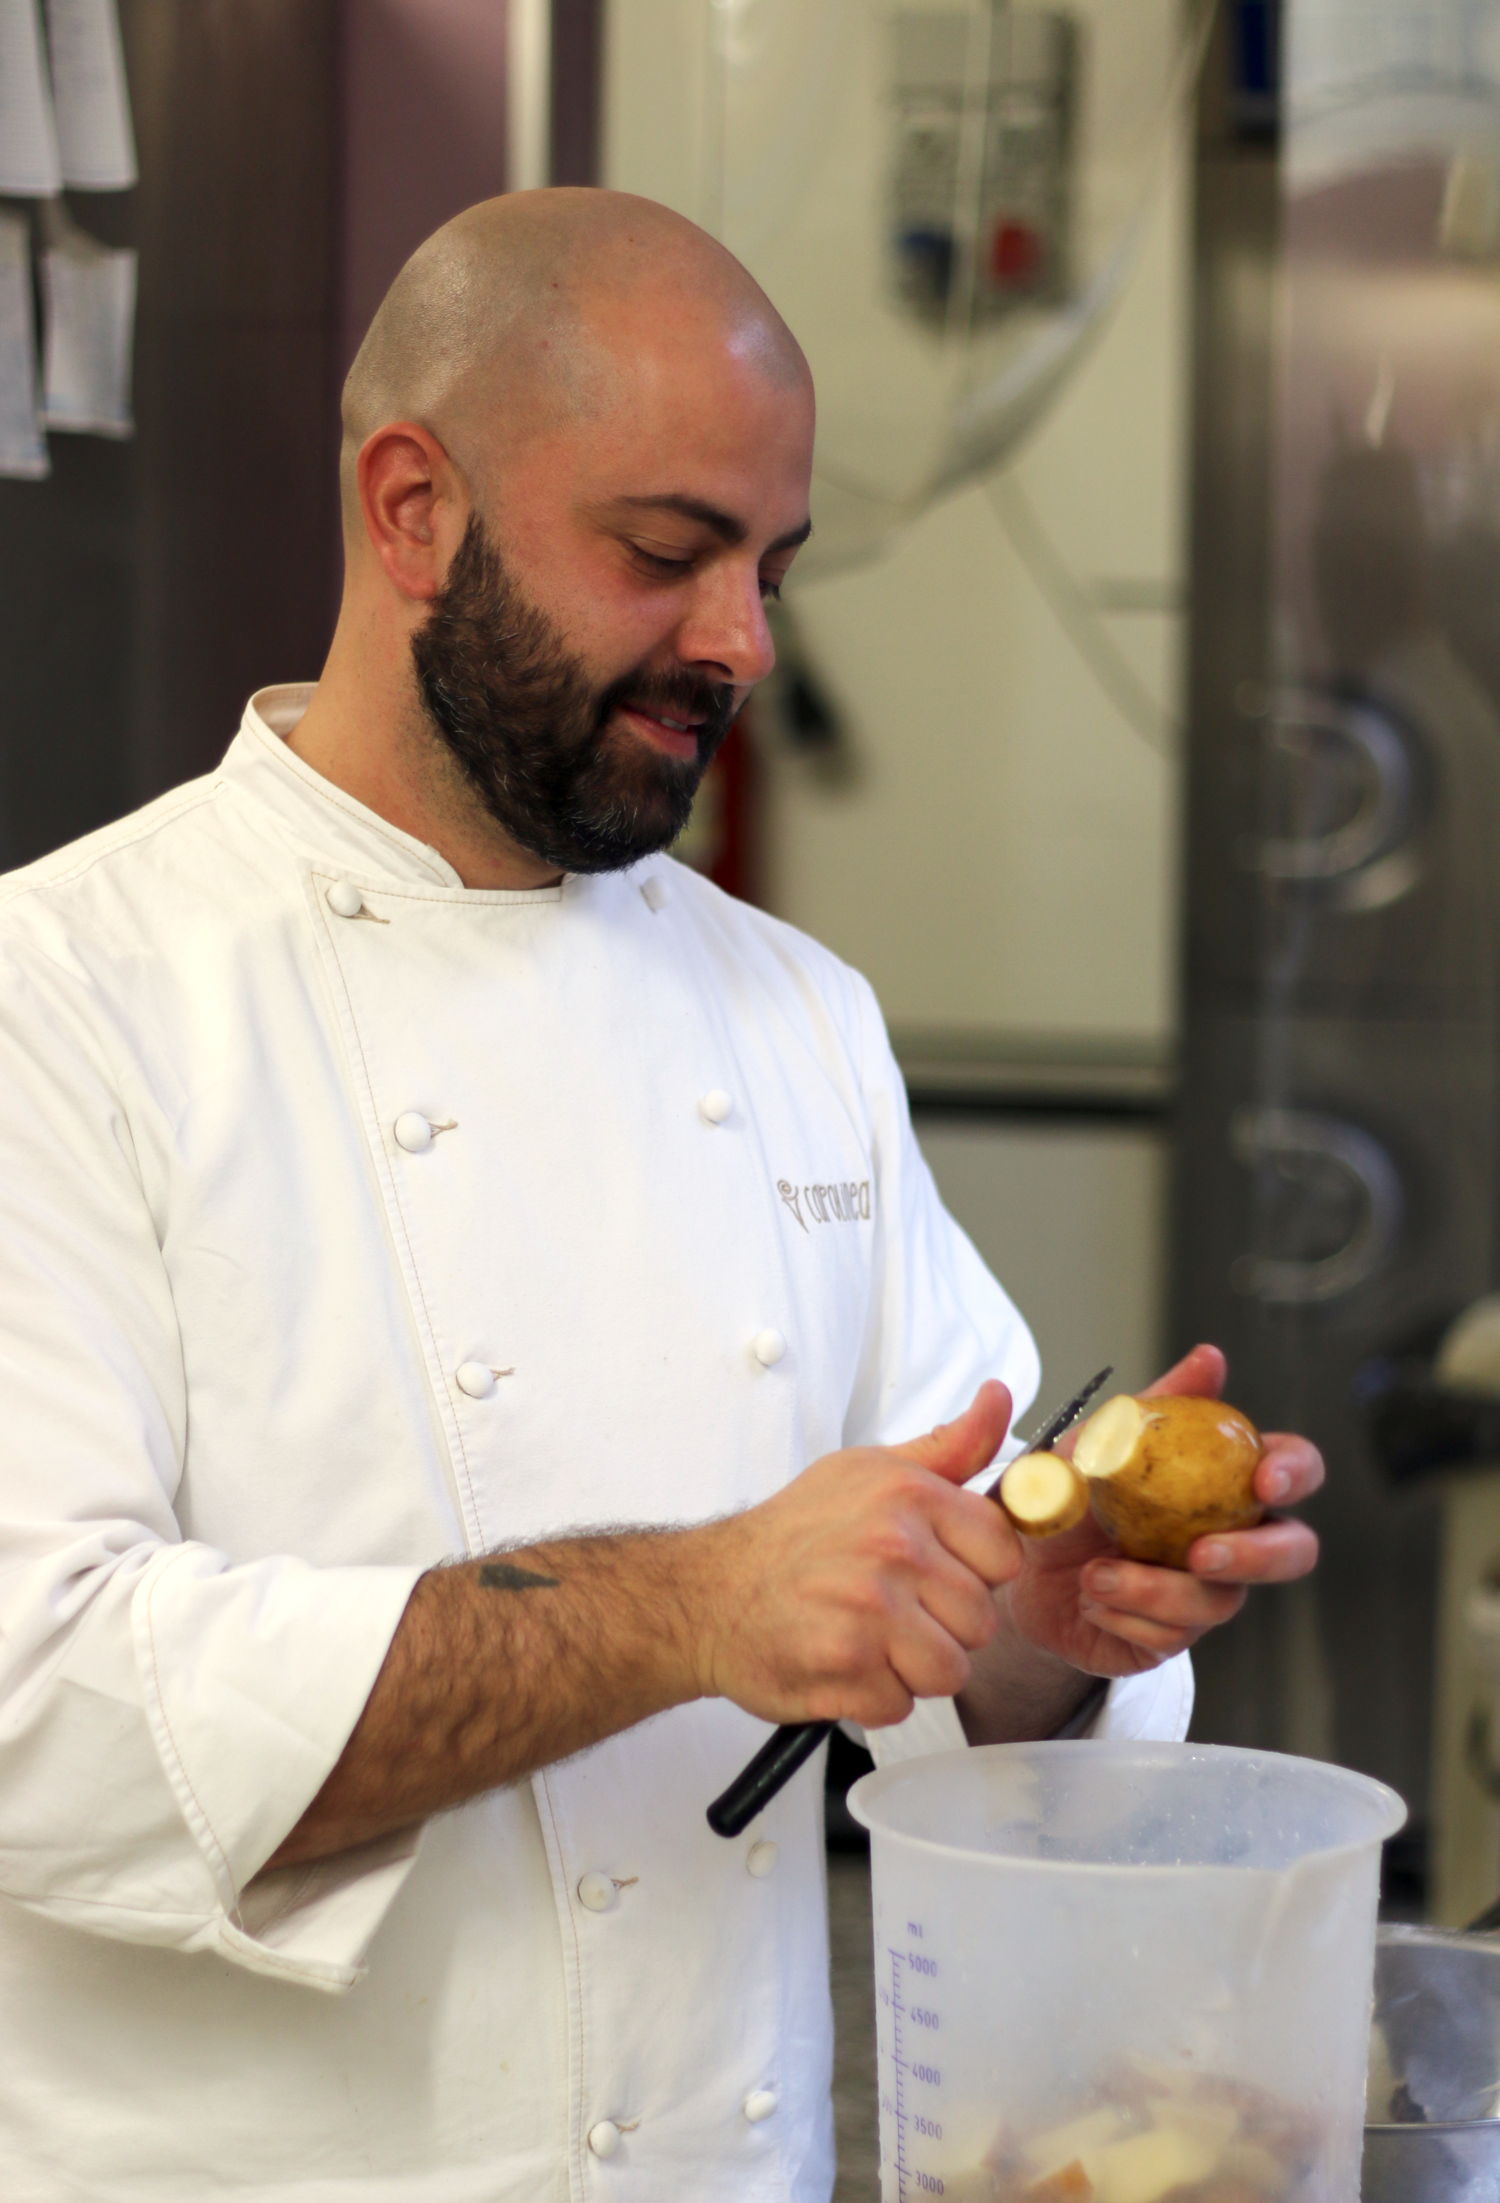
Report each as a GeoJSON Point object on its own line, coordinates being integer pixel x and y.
{"type": "Point", "coordinates": [413, 505]}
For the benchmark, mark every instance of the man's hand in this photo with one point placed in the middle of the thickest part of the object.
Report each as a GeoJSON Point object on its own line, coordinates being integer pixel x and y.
{"type": "Point", "coordinates": [1079, 1599]}
{"type": "Point", "coordinates": [862, 1586]}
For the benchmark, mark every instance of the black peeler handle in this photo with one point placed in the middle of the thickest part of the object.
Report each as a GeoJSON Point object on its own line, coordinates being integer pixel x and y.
{"type": "Point", "coordinates": [758, 1782]}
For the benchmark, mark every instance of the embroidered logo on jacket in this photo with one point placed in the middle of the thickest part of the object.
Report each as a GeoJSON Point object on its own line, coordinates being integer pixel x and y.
{"type": "Point", "coordinates": [848, 1202]}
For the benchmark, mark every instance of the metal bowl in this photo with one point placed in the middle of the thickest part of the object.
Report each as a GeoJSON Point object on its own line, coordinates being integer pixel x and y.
{"type": "Point", "coordinates": [1434, 2105]}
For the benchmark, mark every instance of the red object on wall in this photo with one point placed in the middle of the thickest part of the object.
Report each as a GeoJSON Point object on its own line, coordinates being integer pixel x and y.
{"type": "Point", "coordinates": [722, 839]}
{"type": "Point", "coordinates": [734, 865]}
{"type": "Point", "coordinates": [1017, 252]}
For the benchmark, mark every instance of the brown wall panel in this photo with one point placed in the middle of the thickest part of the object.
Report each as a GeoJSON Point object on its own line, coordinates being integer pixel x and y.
{"type": "Point", "coordinates": [148, 587]}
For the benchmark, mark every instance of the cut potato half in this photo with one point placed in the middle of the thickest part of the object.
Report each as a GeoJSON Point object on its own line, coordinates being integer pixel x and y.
{"type": "Point", "coordinates": [1107, 1441]}
{"type": "Point", "coordinates": [1162, 1473]}
{"type": "Point", "coordinates": [1043, 1494]}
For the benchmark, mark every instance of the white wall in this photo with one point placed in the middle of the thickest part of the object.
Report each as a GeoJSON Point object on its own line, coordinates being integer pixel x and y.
{"type": "Point", "coordinates": [1066, 1216]}
{"type": "Point", "coordinates": [1004, 860]}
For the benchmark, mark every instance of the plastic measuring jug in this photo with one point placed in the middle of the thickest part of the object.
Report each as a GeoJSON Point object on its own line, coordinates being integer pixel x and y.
{"type": "Point", "coordinates": [1119, 1972]}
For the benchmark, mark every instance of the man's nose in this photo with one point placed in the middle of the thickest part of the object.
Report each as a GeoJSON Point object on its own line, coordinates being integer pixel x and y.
{"type": "Point", "coordinates": [725, 633]}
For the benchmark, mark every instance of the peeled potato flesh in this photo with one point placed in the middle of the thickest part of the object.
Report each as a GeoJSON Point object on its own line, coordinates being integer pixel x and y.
{"type": "Point", "coordinates": [1150, 2166]}
{"type": "Point", "coordinates": [1162, 1473]}
{"type": "Point", "coordinates": [1043, 1494]}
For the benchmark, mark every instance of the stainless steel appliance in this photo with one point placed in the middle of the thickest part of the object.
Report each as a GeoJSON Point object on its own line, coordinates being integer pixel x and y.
{"type": "Point", "coordinates": [1335, 1191]}
{"type": "Point", "coordinates": [1433, 2135]}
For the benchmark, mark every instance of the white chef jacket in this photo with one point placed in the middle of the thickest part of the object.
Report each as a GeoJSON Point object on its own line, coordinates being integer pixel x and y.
{"type": "Point", "coordinates": [353, 1219]}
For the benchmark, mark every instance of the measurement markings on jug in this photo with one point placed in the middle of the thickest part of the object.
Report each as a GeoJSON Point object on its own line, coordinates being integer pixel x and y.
{"type": "Point", "coordinates": [911, 2179]}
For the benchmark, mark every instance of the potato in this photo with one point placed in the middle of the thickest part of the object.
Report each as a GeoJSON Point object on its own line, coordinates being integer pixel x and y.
{"type": "Point", "coordinates": [1042, 1493]}
{"type": "Point", "coordinates": [1163, 1472]}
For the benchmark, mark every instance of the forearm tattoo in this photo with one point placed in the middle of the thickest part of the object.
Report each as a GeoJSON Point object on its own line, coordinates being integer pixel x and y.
{"type": "Point", "coordinates": [502, 1575]}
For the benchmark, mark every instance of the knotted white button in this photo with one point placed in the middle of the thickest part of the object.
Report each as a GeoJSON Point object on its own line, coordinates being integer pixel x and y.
{"type": "Point", "coordinates": [761, 1859]}
{"type": "Point", "coordinates": [413, 1132]}
{"type": "Point", "coordinates": [604, 2139]}
{"type": "Point", "coordinates": [759, 2104]}
{"type": "Point", "coordinates": [716, 1105]}
{"type": "Point", "coordinates": [475, 1379]}
{"type": "Point", "coordinates": [768, 1348]}
{"type": "Point", "coordinates": [344, 899]}
{"type": "Point", "coordinates": [597, 1892]}
{"type": "Point", "coordinates": [653, 892]}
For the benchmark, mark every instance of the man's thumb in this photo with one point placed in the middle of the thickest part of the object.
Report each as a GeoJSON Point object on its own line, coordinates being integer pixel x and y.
{"type": "Point", "coordinates": [960, 1449]}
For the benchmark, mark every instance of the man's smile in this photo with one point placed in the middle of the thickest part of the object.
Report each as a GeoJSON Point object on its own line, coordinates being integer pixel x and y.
{"type": "Point", "coordinates": [677, 737]}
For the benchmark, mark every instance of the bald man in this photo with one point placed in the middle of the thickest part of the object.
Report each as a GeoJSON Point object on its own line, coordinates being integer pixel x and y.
{"type": "Point", "coordinates": [479, 1342]}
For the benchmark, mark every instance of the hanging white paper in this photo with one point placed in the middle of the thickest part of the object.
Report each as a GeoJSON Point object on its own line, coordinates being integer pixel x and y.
{"type": "Point", "coordinates": [90, 96]}
{"type": "Point", "coordinates": [23, 451]}
{"type": "Point", "coordinates": [29, 164]}
{"type": "Point", "coordinates": [88, 292]}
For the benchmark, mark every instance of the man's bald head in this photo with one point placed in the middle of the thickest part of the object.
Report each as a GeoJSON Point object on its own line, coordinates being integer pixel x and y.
{"type": "Point", "coordinates": [528, 308]}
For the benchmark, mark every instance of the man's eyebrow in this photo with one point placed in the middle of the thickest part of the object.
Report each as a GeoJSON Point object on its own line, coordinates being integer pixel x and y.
{"type": "Point", "coordinates": [724, 525]}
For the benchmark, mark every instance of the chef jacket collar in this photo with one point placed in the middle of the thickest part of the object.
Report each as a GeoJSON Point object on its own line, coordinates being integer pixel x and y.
{"type": "Point", "coordinates": [330, 826]}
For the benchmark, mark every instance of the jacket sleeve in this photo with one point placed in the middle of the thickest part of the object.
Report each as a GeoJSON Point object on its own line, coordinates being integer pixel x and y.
{"type": "Point", "coordinates": [940, 1324]}
{"type": "Point", "coordinates": [166, 1715]}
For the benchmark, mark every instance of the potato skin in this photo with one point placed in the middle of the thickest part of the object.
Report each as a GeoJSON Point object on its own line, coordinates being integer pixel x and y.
{"type": "Point", "coordinates": [1193, 1472]}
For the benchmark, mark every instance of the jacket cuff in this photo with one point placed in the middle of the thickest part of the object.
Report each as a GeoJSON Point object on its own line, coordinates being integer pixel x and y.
{"type": "Point", "coordinates": [1156, 1705]}
{"type": "Point", "coordinates": [931, 1726]}
{"type": "Point", "coordinates": [280, 1657]}
{"type": "Point", "coordinates": [314, 1924]}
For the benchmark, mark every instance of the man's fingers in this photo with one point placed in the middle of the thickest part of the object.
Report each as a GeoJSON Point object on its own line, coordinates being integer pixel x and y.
{"type": "Point", "coordinates": [1201, 1372]}
{"type": "Point", "coordinates": [958, 1602]}
{"type": "Point", "coordinates": [979, 1534]}
{"type": "Point", "coordinates": [1278, 1552]}
{"type": "Point", "coordinates": [1291, 1470]}
{"type": "Point", "coordinates": [960, 1449]}
{"type": "Point", "coordinates": [927, 1659]}
{"type": "Point", "coordinates": [1162, 1638]}
{"type": "Point", "coordinates": [1168, 1598]}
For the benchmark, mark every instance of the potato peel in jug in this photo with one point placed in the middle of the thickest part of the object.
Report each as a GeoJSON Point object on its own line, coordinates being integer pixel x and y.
{"type": "Point", "coordinates": [1150, 2137]}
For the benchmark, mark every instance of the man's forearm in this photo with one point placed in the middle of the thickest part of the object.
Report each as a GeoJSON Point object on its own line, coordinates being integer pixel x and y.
{"type": "Point", "coordinates": [1017, 1694]}
{"type": "Point", "coordinates": [852, 1590]}
{"type": "Point", "coordinates": [503, 1665]}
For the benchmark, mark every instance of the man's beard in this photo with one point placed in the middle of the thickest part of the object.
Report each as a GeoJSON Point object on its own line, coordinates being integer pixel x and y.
{"type": "Point", "coordinates": [517, 710]}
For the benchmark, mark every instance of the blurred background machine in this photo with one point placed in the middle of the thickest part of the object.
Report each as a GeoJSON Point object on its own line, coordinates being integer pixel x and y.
{"type": "Point", "coordinates": [1137, 716]}
{"type": "Point", "coordinates": [1335, 1173]}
